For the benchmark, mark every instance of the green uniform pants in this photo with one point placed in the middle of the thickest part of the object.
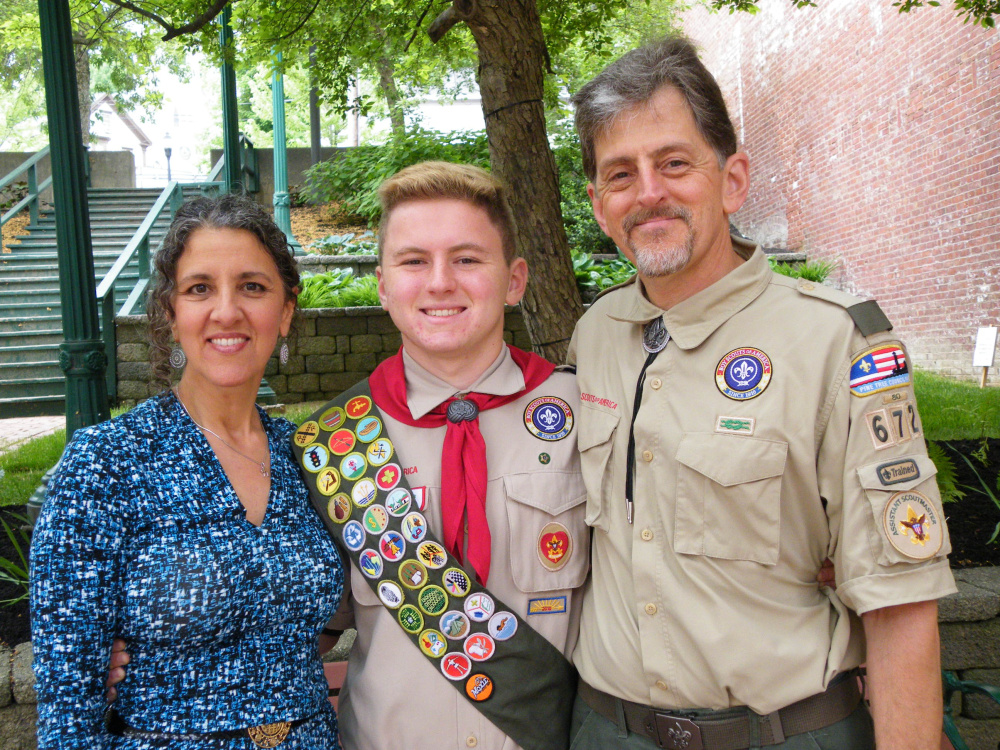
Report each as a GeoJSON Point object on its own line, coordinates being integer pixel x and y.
{"type": "Point", "coordinates": [591, 731]}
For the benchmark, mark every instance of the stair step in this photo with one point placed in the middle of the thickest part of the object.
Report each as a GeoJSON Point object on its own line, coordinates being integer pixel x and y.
{"type": "Point", "coordinates": [52, 337]}
{"type": "Point", "coordinates": [32, 387]}
{"type": "Point", "coordinates": [22, 355]}
{"type": "Point", "coordinates": [19, 323]}
{"type": "Point", "coordinates": [36, 406]}
{"type": "Point", "coordinates": [29, 371]}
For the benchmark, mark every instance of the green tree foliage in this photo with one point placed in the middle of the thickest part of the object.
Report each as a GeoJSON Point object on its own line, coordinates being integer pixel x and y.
{"type": "Point", "coordinates": [978, 12]}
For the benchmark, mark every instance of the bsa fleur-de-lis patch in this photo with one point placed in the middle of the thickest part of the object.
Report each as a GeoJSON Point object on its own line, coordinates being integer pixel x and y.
{"type": "Point", "coordinates": [743, 373]}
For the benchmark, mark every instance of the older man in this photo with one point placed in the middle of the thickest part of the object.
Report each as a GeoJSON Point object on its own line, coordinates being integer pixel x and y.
{"type": "Point", "coordinates": [738, 427]}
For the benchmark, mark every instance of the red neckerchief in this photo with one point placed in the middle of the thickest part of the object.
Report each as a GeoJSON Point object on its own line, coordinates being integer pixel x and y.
{"type": "Point", "coordinates": [463, 460]}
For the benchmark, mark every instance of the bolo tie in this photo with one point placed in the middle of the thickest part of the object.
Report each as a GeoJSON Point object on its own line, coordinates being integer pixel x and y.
{"type": "Point", "coordinates": [654, 340]}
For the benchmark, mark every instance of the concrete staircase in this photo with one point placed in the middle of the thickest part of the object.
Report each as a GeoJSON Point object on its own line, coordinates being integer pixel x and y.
{"type": "Point", "coordinates": [31, 382]}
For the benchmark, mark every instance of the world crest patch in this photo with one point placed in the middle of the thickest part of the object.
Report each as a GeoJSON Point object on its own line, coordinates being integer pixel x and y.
{"type": "Point", "coordinates": [743, 373]}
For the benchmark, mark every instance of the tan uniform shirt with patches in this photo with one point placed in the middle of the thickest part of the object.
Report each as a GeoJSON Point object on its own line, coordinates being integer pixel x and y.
{"type": "Point", "coordinates": [709, 599]}
{"type": "Point", "coordinates": [393, 696]}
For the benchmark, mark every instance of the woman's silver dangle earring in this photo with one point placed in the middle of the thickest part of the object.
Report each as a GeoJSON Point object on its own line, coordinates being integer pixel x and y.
{"type": "Point", "coordinates": [177, 358]}
{"type": "Point", "coordinates": [283, 353]}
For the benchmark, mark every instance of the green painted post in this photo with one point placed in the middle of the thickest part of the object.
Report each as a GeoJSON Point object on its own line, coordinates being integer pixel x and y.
{"type": "Point", "coordinates": [231, 173]}
{"type": "Point", "coordinates": [282, 202]}
{"type": "Point", "coordinates": [81, 355]}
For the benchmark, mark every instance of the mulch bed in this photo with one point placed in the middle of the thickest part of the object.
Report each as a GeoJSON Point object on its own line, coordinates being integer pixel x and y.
{"type": "Point", "coordinates": [971, 521]}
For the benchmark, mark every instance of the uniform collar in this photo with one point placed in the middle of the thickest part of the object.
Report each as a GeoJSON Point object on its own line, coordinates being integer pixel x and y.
{"type": "Point", "coordinates": [425, 391]}
{"type": "Point", "coordinates": [692, 321]}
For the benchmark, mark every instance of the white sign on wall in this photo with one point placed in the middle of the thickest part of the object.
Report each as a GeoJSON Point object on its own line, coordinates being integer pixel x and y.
{"type": "Point", "coordinates": [986, 345]}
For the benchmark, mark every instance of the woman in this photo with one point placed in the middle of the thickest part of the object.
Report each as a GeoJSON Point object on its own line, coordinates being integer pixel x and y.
{"type": "Point", "coordinates": [183, 527]}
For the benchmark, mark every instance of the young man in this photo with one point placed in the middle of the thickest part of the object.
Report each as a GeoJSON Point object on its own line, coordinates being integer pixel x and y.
{"type": "Point", "coordinates": [485, 436]}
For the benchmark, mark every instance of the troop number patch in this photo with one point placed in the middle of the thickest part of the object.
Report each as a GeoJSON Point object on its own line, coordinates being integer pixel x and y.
{"type": "Point", "coordinates": [912, 525]}
{"type": "Point", "coordinates": [743, 374]}
{"type": "Point", "coordinates": [548, 418]}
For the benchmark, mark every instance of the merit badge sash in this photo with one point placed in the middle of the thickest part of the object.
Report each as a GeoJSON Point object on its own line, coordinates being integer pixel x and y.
{"type": "Point", "coordinates": [506, 669]}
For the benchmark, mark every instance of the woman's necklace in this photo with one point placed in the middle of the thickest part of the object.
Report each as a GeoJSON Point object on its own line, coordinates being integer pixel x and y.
{"type": "Point", "coordinates": [260, 464]}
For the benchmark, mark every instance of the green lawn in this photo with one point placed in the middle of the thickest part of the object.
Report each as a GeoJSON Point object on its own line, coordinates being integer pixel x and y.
{"type": "Point", "coordinates": [23, 467]}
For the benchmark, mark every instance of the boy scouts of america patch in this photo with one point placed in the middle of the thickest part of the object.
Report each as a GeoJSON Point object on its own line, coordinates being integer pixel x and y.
{"type": "Point", "coordinates": [743, 374]}
{"type": "Point", "coordinates": [548, 418]}
{"type": "Point", "coordinates": [879, 369]}
{"type": "Point", "coordinates": [555, 546]}
{"type": "Point", "coordinates": [912, 526]}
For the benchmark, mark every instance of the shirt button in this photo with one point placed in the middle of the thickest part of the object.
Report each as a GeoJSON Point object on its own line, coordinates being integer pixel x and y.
{"type": "Point", "coordinates": [661, 684]}
{"type": "Point", "coordinates": [655, 384]}
{"type": "Point", "coordinates": [471, 741]}
{"type": "Point", "coordinates": [646, 534]}
{"type": "Point", "coordinates": [647, 456]}
{"type": "Point", "coordinates": [650, 609]}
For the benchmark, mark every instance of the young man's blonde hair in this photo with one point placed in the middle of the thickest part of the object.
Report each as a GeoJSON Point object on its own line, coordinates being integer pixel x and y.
{"type": "Point", "coordinates": [430, 180]}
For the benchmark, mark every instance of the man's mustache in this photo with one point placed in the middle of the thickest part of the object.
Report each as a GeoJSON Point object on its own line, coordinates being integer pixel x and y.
{"type": "Point", "coordinates": [656, 212]}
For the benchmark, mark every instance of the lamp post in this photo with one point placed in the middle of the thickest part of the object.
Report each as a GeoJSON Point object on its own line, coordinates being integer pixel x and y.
{"type": "Point", "coordinates": [167, 151]}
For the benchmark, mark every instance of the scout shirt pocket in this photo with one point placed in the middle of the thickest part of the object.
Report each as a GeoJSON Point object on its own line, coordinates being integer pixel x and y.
{"type": "Point", "coordinates": [549, 539]}
{"type": "Point", "coordinates": [595, 440]}
{"type": "Point", "coordinates": [907, 522]}
{"type": "Point", "coordinates": [728, 502]}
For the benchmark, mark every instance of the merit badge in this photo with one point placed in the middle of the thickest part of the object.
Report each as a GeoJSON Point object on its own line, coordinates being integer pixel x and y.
{"type": "Point", "coordinates": [455, 625]}
{"type": "Point", "coordinates": [315, 457]}
{"type": "Point", "coordinates": [368, 429]}
{"type": "Point", "coordinates": [370, 563]}
{"type": "Point", "coordinates": [432, 555]}
{"type": "Point", "coordinates": [375, 519]}
{"type": "Point", "coordinates": [379, 452]}
{"type": "Point", "coordinates": [897, 472]}
{"type": "Point", "coordinates": [735, 425]}
{"type": "Point", "coordinates": [391, 545]}
{"type": "Point", "coordinates": [388, 476]}
{"type": "Point", "coordinates": [456, 666]}
{"type": "Point", "coordinates": [479, 647]}
{"type": "Point", "coordinates": [432, 643]}
{"type": "Point", "coordinates": [339, 508]}
{"type": "Point", "coordinates": [358, 406]}
{"type": "Point", "coordinates": [479, 687]}
{"type": "Point", "coordinates": [353, 465]}
{"type": "Point", "coordinates": [555, 546]}
{"type": "Point", "coordinates": [412, 574]}
{"type": "Point", "coordinates": [354, 536]}
{"type": "Point", "coordinates": [306, 434]}
{"type": "Point", "coordinates": [743, 374]}
{"type": "Point", "coordinates": [432, 600]}
{"type": "Point", "coordinates": [410, 618]}
{"type": "Point", "coordinates": [342, 442]}
{"type": "Point", "coordinates": [502, 626]}
{"type": "Point", "coordinates": [479, 607]}
{"type": "Point", "coordinates": [332, 418]}
{"type": "Point", "coordinates": [912, 525]}
{"type": "Point", "coordinates": [548, 418]}
{"type": "Point", "coordinates": [419, 496]}
{"type": "Point", "coordinates": [414, 526]}
{"type": "Point", "coordinates": [398, 501]}
{"type": "Point", "coordinates": [655, 336]}
{"type": "Point", "coordinates": [390, 594]}
{"type": "Point", "coordinates": [457, 582]}
{"type": "Point", "coordinates": [363, 493]}
{"type": "Point", "coordinates": [552, 605]}
{"type": "Point", "coordinates": [327, 481]}
{"type": "Point", "coordinates": [879, 369]}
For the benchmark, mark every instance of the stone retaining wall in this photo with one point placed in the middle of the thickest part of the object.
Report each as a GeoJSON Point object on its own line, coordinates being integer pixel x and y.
{"type": "Point", "coordinates": [333, 349]}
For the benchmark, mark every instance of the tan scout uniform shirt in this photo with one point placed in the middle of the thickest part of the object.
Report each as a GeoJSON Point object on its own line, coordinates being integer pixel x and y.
{"type": "Point", "coordinates": [393, 696]}
{"type": "Point", "coordinates": [710, 600]}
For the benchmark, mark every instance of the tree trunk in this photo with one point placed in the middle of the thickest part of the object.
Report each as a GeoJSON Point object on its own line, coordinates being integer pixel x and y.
{"type": "Point", "coordinates": [81, 53]}
{"type": "Point", "coordinates": [387, 84]}
{"type": "Point", "coordinates": [511, 45]}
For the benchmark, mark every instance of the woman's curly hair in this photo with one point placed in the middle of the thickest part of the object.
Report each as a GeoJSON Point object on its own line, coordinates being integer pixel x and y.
{"type": "Point", "coordinates": [223, 212]}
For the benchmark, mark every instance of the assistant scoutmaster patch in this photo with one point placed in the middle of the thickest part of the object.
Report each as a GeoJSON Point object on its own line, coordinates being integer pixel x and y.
{"type": "Point", "coordinates": [555, 546]}
{"type": "Point", "coordinates": [548, 418]}
{"type": "Point", "coordinates": [912, 525]}
{"type": "Point", "coordinates": [743, 374]}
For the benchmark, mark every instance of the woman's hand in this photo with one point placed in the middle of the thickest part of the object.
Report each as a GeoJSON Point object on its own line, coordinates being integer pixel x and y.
{"type": "Point", "coordinates": [116, 668]}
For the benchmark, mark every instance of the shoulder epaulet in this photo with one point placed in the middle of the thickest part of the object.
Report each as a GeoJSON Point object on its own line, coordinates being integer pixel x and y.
{"type": "Point", "coordinates": [866, 314]}
{"type": "Point", "coordinates": [630, 280]}
{"type": "Point", "coordinates": [566, 368]}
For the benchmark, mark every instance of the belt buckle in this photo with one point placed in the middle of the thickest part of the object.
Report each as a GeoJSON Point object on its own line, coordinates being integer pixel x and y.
{"type": "Point", "coordinates": [677, 732]}
{"type": "Point", "coordinates": [269, 735]}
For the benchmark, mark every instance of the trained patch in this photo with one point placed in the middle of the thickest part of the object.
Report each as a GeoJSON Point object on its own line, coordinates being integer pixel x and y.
{"type": "Point", "coordinates": [379, 452]}
{"type": "Point", "coordinates": [479, 647]}
{"type": "Point", "coordinates": [332, 418]}
{"type": "Point", "coordinates": [390, 594]}
{"type": "Point", "coordinates": [370, 563]}
{"type": "Point", "coordinates": [339, 508]}
{"type": "Point", "coordinates": [342, 442]}
{"type": "Point", "coordinates": [375, 519]}
{"type": "Point", "coordinates": [432, 555]}
{"type": "Point", "coordinates": [912, 525]}
{"type": "Point", "coordinates": [555, 546]}
{"type": "Point", "coordinates": [879, 369]}
{"type": "Point", "coordinates": [412, 574]}
{"type": "Point", "coordinates": [392, 546]}
{"type": "Point", "coordinates": [432, 600]}
{"type": "Point", "coordinates": [897, 472]}
{"type": "Point", "coordinates": [354, 535]}
{"type": "Point", "coordinates": [479, 607]}
{"type": "Point", "coordinates": [368, 429]}
{"type": "Point", "coordinates": [502, 626]}
{"type": "Point", "coordinates": [432, 643]}
{"type": "Point", "coordinates": [414, 527]}
{"type": "Point", "coordinates": [735, 425]}
{"type": "Point", "coordinates": [306, 434]}
{"type": "Point", "coordinates": [456, 666]}
{"type": "Point", "coordinates": [455, 625]}
{"type": "Point", "coordinates": [358, 406]}
{"type": "Point", "coordinates": [548, 418]}
{"type": "Point", "coordinates": [328, 481]}
{"type": "Point", "coordinates": [743, 374]}
{"type": "Point", "coordinates": [315, 457]}
{"type": "Point", "coordinates": [363, 493]}
{"type": "Point", "coordinates": [388, 477]}
{"type": "Point", "coordinates": [479, 687]}
{"type": "Point", "coordinates": [457, 582]}
{"type": "Point", "coordinates": [410, 618]}
{"type": "Point", "coordinates": [552, 605]}
{"type": "Point", "coordinates": [398, 502]}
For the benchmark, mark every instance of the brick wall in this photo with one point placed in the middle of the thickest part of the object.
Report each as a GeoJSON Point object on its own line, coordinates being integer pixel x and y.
{"type": "Point", "coordinates": [874, 140]}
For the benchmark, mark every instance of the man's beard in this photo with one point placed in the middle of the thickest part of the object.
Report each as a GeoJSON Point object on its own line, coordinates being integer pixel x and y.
{"type": "Point", "coordinates": [653, 258]}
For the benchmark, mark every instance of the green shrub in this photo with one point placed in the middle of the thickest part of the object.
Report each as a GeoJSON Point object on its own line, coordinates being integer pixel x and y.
{"type": "Point", "coordinates": [320, 290]}
{"type": "Point", "coordinates": [582, 229]}
{"type": "Point", "coordinates": [946, 481]}
{"type": "Point", "coordinates": [16, 571]}
{"type": "Point", "coordinates": [813, 270]}
{"type": "Point", "coordinates": [346, 244]}
{"type": "Point", "coordinates": [597, 275]}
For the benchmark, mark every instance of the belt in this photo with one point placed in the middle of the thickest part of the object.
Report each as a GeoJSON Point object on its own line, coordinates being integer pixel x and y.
{"type": "Point", "coordinates": [265, 735]}
{"type": "Point", "coordinates": [734, 728]}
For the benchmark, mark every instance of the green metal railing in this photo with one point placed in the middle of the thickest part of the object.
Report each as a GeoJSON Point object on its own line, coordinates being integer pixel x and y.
{"type": "Point", "coordinates": [954, 685]}
{"type": "Point", "coordinates": [30, 166]}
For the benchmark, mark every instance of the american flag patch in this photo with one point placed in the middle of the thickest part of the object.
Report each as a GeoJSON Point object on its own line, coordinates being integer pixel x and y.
{"type": "Point", "coordinates": [879, 369]}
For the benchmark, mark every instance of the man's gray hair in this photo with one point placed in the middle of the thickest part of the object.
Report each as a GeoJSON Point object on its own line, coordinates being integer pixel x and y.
{"type": "Point", "coordinates": [633, 79]}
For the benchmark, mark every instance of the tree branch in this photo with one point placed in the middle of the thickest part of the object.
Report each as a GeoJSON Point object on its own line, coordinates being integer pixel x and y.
{"type": "Point", "coordinates": [175, 31]}
{"type": "Point", "coordinates": [299, 25]}
{"type": "Point", "coordinates": [416, 26]}
{"type": "Point", "coordinates": [458, 11]}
